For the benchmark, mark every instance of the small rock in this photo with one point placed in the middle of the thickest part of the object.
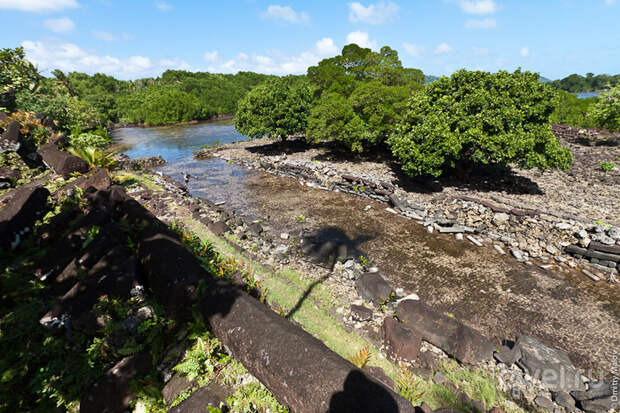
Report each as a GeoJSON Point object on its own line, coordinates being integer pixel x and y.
{"type": "Point", "coordinates": [284, 236]}
{"type": "Point", "coordinates": [360, 313]}
{"type": "Point", "coordinates": [500, 218]}
{"type": "Point", "coordinates": [367, 208]}
{"type": "Point", "coordinates": [517, 253]}
{"type": "Point", "coordinates": [544, 402]}
{"type": "Point", "coordinates": [439, 378]}
{"type": "Point", "coordinates": [564, 399]}
{"type": "Point", "coordinates": [372, 287]}
{"type": "Point", "coordinates": [564, 226]}
{"type": "Point", "coordinates": [458, 236]}
{"type": "Point", "coordinates": [499, 249]}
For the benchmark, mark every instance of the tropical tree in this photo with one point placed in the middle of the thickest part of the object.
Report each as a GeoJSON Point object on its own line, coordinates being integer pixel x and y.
{"type": "Point", "coordinates": [16, 73]}
{"type": "Point", "coordinates": [277, 108]}
{"type": "Point", "coordinates": [606, 112]}
{"type": "Point", "coordinates": [478, 118]}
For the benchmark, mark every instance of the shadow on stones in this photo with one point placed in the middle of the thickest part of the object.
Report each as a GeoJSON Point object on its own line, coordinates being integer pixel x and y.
{"type": "Point", "coordinates": [331, 244]}
{"type": "Point", "coordinates": [278, 147]}
{"type": "Point", "coordinates": [360, 394]}
{"type": "Point", "coordinates": [482, 178]}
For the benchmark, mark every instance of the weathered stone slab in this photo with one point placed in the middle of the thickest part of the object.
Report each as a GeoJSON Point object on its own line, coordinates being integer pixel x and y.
{"type": "Point", "coordinates": [11, 138]}
{"type": "Point", "coordinates": [20, 213]}
{"type": "Point", "coordinates": [573, 249]}
{"type": "Point", "coordinates": [286, 359]}
{"type": "Point", "coordinates": [100, 180]}
{"type": "Point", "coordinates": [598, 246]}
{"type": "Point", "coordinates": [595, 390]}
{"type": "Point", "coordinates": [372, 287]}
{"type": "Point", "coordinates": [113, 393]}
{"type": "Point", "coordinates": [404, 343]}
{"type": "Point", "coordinates": [361, 313]}
{"type": "Point", "coordinates": [175, 386]}
{"type": "Point", "coordinates": [208, 396]}
{"type": "Point", "coordinates": [452, 336]}
{"type": "Point", "coordinates": [553, 367]}
{"type": "Point", "coordinates": [219, 228]}
{"type": "Point", "coordinates": [60, 162]}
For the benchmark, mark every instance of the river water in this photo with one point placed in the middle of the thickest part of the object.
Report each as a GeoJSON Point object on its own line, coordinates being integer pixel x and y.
{"type": "Point", "coordinates": [214, 179]}
{"type": "Point", "coordinates": [494, 294]}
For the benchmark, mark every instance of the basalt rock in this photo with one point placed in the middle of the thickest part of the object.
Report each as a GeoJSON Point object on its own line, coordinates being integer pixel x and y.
{"type": "Point", "coordinates": [403, 342]}
{"type": "Point", "coordinates": [11, 138]}
{"type": "Point", "coordinates": [373, 288]}
{"type": "Point", "coordinates": [61, 162]}
{"type": "Point", "coordinates": [113, 393]}
{"type": "Point", "coordinates": [209, 396]}
{"type": "Point", "coordinates": [452, 336]}
{"type": "Point", "coordinates": [19, 215]}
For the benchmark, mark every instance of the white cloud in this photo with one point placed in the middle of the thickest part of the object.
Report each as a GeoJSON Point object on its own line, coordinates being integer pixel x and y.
{"type": "Point", "coordinates": [69, 57]}
{"type": "Point", "coordinates": [610, 2]}
{"type": "Point", "coordinates": [285, 13]}
{"type": "Point", "coordinates": [443, 48]}
{"type": "Point", "coordinates": [413, 49]}
{"type": "Point", "coordinates": [163, 6]}
{"type": "Point", "coordinates": [481, 24]}
{"type": "Point", "coordinates": [38, 5]}
{"type": "Point", "coordinates": [480, 51]}
{"type": "Point", "coordinates": [326, 46]}
{"type": "Point", "coordinates": [212, 56]}
{"type": "Point", "coordinates": [478, 6]}
{"type": "Point", "coordinates": [374, 14]}
{"type": "Point", "coordinates": [362, 39]}
{"type": "Point", "coordinates": [61, 25]}
{"type": "Point", "coordinates": [105, 36]}
{"type": "Point", "coordinates": [525, 51]}
{"type": "Point", "coordinates": [277, 63]}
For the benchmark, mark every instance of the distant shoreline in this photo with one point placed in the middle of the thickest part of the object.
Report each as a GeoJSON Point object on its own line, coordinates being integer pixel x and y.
{"type": "Point", "coordinates": [191, 122]}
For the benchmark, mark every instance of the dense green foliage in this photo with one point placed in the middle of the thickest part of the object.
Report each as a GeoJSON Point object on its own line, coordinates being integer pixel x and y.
{"type": "Point", "coordinates": [16, 73]}
{"type": "Point", "coordinates": [80, 101]}
{"type": "Point", "coordinates": [359, 96]}
{"type": "Point", "coordinates": [577, 83]}
{"type": "Point", "coordinates": [277, 108]}
{"type": "Point", "coordinates": [606, 112]}
{"type": "Point", "coordinates": [478, 118]}
{"type": "Point", "coordinates": [573, 111]}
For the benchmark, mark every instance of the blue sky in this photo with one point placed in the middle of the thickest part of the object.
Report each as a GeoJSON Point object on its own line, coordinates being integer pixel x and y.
{"type": "Point", "coordinates": [138, 38]}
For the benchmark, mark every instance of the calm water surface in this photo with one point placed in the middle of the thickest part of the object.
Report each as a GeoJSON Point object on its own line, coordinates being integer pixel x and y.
{"type": "Point", "coordinates": [214, 179]}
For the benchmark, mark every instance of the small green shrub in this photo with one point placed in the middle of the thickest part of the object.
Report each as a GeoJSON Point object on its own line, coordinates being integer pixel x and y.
{"type": "Point", "coordinates": [606, 112]}
{"type": "Point", "coordinates": [607, 166]}
{"type": "Point", "coordinates": [204, 359]}
{"type": "Point", "coordinates": [95, 157]}
{"type": "Point", "coordinates": [90, 139]}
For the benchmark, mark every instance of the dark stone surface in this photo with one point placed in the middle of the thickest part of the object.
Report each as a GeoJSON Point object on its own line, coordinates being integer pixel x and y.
{"type": "Point", "coordinates": [60, 162]}
{"type": "Point", "coordinates": [397, 202]}
{"type": "Point", "coordinates": [372, 287]}
{"type": "Point", "coordinates": [544, 403]}
{"type": "Point", "coordinates": [553, 367]}
{"type": "Point", "coordinates": [360, 313]}
{"type": "Point", "coordinates": [598, 389]}
{"type": "Point", "coordinates": [424, 408]}
{"type": "Point", "coordinates": [404, 343]}
{"type": "Point", "coordinates": [598, 246]}
{"type": "Point", "coordinates": [175, 386]}
{"type": "Point", "coordinates": [8, 175]}
{"type": "Point", "coordinates": [601, 405]}
{"type": "Point", "coordinates": [11, 138]}
{"type": "Point", "coordinates": [100, 180]}
{"type": "Point", "coordinates": [113, 393]}
{"type": "Point", "coordinates": [219, 228]}
{"type": "Point", "coordinates": [507, 355]}
{"type": "Point", "coordinates": [452, 336]}
{"type": "Point", "coordinates": [564, 399]}
{"type": "Point", "coordinates": [285, 358]}
{"type": "Point", "coordinates": [255, 228]}
{"type": "Point", "coordinates": [210, 395]}
{"type": "Point", "coordinates": [26, 205]}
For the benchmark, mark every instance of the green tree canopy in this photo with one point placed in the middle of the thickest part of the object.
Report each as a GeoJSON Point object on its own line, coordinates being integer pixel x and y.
{"type": "Point", "coordinates": [277, 108]}
{"type": "Point", "coordinates": [16, 73]}
{"type": "Point", "coordinates": [606, 112]}
{"type": "Point", "coordinates": [479, 118]}
{"type": "Point", "coordinates": [359, 96]}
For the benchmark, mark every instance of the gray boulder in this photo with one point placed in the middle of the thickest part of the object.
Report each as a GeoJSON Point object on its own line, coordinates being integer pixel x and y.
{"type": "Point", "coordinates": [553, 367]}
{"type": "Point", "coordinates": [372, 287]}
{"type": "Point", "coordinates": [11, 139]}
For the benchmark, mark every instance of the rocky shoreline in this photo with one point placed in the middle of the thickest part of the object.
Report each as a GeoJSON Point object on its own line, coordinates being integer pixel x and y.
{"type": "Point", "coordinates": [517, 365]}
{"type": "Point", "coordinates": [531, 232]}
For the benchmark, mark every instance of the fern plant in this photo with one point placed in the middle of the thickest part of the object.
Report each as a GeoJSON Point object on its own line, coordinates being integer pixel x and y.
{"type": "Point", "coordinates": [203, 360]}
{"type": "Point", "coordinates": [361, 358]}
{"type": "Point", "coordinates": [409, 385]}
